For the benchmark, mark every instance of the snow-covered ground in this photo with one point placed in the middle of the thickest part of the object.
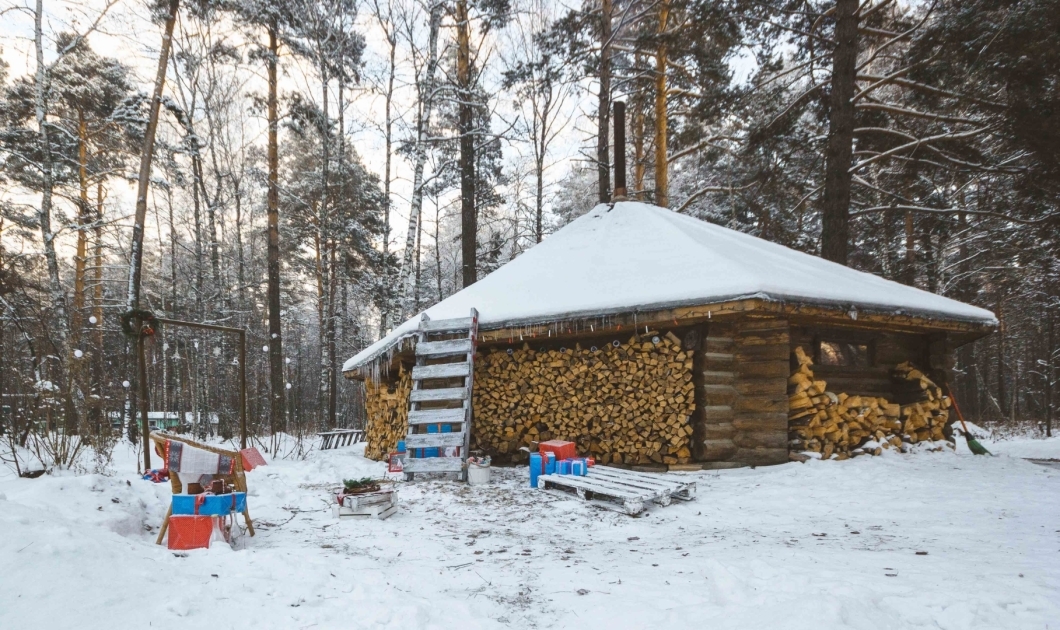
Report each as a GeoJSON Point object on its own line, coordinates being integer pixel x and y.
{"type": "Point", "coordinates": [932, 540]}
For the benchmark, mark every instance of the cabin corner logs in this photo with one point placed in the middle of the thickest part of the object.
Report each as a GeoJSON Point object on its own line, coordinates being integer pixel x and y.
{"type": "Point", "coordinates": [725, 394]}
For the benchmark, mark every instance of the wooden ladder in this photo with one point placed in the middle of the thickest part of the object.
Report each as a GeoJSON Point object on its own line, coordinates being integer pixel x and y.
{"type": "Point", "coordinates": [439, 436]}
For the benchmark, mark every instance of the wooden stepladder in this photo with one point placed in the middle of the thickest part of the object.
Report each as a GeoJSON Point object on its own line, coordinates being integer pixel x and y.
{"type": "Point", "coordinates": [439, 433]}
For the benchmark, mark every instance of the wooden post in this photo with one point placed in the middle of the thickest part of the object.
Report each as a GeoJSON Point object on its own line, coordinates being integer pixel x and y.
{"type": "Point", "coordinates": [141, 362]}
{"type": "Point", "coordinates": [242, 388]}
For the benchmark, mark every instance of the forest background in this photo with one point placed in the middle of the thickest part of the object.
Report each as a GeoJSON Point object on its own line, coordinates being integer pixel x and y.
{"type": "Point", "coordinates": [318, 171]}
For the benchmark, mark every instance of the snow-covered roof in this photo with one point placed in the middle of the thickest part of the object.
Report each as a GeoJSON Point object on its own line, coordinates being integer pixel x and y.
{"type": "Point", "coordinates": [628, 257]}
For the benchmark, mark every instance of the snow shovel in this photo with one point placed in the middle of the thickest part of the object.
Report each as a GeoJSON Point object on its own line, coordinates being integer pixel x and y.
{"type": "Point", "coordinates": [973, 444]}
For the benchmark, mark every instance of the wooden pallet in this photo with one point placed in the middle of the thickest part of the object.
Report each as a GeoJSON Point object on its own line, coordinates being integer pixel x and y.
{"type": "Point", "coordinates": [622, 490]}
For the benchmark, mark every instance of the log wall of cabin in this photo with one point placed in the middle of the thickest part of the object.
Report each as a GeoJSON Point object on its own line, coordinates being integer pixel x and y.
{"type": "Point", "coordinates": [740, 370]}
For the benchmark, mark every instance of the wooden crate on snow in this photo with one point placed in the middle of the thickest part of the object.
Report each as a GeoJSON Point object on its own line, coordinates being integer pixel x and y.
{"type": "Point", "coordinates": [381, 504]}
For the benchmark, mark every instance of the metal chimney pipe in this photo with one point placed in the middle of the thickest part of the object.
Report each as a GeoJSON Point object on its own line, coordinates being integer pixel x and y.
{"type": "Point", "coordinates": [620, 151]}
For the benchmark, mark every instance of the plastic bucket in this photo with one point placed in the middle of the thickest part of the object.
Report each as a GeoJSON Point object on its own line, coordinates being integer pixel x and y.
{"type": "Point", "coordinates": [478, 475]}
{"type": "Point", "coordinates": [536, 465]}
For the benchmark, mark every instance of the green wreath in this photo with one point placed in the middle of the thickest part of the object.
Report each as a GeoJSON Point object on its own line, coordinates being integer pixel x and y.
{"type": "Point", "coordinates": [147, 322]}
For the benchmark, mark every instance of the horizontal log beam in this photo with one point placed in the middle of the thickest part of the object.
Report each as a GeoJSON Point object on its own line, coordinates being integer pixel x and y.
{"type": "Point", "coordinates": [761, 456]}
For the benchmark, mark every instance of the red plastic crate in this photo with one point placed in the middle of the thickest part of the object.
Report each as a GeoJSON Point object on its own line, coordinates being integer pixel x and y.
{"type": "Point", "coordinates": [190, 532]}
{"type": "Point", "coordinates": [563, 450]}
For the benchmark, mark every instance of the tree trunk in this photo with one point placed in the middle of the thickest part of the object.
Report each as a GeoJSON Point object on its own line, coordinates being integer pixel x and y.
{"type": "Point", "coordinates": [540, 149]}
{"type": "Point", "coordinates": [320, 270]}
{"type": "Point", "coordinates": [388, 131]}
{"type": "Point", "coordinates": [136, 250]}
{"type": "Point", "coordinates": [57, 294]}
{"type": "Point", "coordinates": [909, 276]}
{"type": "Point", "coordinates": [638, 129]}
{"type": "Point", "coordinates": [3, 351]}
{"type": "Point", "coordinates": [468, 216]}
{"type": "Point", "coordinates": [143, 178]}
{"type": "Point", "coordinates": [425, 93]}
{"type": "Point", "coordinates": [419, 251]}
{"type": "Point", "coordinates": [324, 242]}
{"type": "Point", "coordinates": [196, 205]}
{"type": "Point", "coordinates": [83, 220]}
{"type": "Point", "coordinates": [172, 253]}
{"type": "Point", "coordinates": [240, 258]}
{"type": "Point", "coordinates": [662, 170]}
{"type": "Point", "coordinates": [97, 295]}
{"type": "Point", "coordinates": [1050, 374]}
{"type": "Point", "coordinates": [835, 220]}
{"type": "Point", "coordinates": [543, 111]}
{"type": "Point", "coordinates": [277, 407]}
{"type": "Point", "coordinates": [1002, 393]}
{"type": "Point", "coordinates": [332, 350]}
{"type": "Point", "coordinates": [930, 254]}
{"type": "Point", "coordinates": [211, 226]}
{"type": "Point", "coordinates": [437, 249]}
{"type": "Point", "coordinates": [603, 107]}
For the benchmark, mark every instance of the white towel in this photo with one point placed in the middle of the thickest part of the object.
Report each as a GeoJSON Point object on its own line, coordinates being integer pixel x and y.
{"type": "Point", "coordinates": [196, 462]}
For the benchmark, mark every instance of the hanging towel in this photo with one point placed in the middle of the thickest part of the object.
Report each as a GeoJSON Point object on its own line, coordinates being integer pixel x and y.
{"type": "Point", "coordinates": [195, 462]}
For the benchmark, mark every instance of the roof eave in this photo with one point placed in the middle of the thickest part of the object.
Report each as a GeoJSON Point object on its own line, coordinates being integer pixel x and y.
{"type": "Point", "coordinates": [687, 312]}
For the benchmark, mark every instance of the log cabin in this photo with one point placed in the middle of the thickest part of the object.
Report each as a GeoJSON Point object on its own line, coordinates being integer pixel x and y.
{"type": "Point", "coordinates": [653, 338]}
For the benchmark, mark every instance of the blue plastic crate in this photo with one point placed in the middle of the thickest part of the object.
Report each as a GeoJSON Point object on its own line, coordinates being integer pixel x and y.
{"type": "Point", "coordinates": [213, 504]}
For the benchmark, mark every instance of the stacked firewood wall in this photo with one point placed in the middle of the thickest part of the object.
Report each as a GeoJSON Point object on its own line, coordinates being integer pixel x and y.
{"type": "Point", "coordinates": [843, 425]}
{"type": "Point", "coordinates": [622, 402]}
{"type": "Point", "coordinates": [387, 411]}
